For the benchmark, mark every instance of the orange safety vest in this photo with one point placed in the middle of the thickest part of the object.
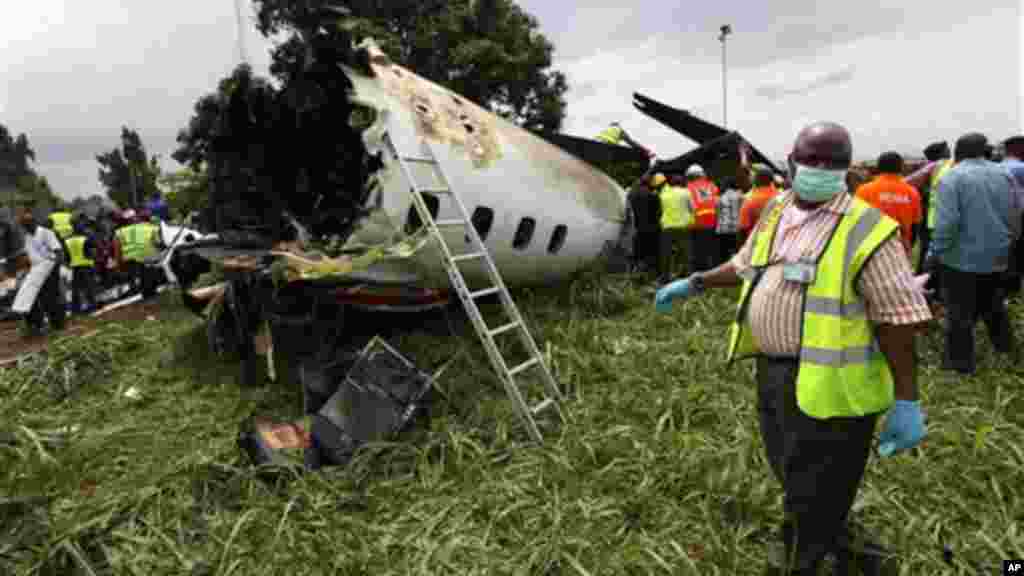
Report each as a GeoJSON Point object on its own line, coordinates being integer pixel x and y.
{"type": "Point", "coordinates": [703, 195]}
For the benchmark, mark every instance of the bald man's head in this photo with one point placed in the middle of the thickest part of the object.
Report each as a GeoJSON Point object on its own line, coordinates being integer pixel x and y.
{"type": "Point", "coordinates": [823, 145]}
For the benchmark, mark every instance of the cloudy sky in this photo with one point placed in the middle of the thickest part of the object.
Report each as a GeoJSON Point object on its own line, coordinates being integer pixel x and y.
{"type": "Point", "coordinates": [898, 75]}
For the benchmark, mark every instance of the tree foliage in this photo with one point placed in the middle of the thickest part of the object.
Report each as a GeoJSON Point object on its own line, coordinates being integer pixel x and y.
{"type": "Point", "coordinates": [186, 191]}
{"type": "Point", "coordinates": [287, 149]}
{"type": "Point", "coordinates": [17, 176]}
{"type": "Point", "coordinates": [122, 167]}
{"type": "Point", "coordinates": [489, 51]}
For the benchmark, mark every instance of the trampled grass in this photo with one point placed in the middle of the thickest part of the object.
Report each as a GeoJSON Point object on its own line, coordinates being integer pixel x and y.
{"type": "Point", "coordinates": [660, 471]}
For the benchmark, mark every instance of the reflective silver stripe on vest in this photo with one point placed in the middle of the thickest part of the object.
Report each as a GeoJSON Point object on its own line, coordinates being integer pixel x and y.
{"type": "Point", "coordinates": [839, 358]}
{"type": "Point", "coordinates": [869, 218]}
{"type": "Point", "coordinates": [833, 307]}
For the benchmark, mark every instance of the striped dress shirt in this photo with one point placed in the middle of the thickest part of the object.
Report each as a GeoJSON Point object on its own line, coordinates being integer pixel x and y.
{"type": "Point", "coordinates": [775, 312]}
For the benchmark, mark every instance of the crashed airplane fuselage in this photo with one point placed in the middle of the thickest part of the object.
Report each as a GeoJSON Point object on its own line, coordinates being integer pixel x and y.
{"type": "Point", "coordinates": [541, 212]}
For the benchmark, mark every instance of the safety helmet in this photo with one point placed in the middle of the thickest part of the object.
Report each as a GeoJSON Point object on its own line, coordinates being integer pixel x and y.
{"type": "Point", "coordinates": [694, 170]}
{"type": "Point", "coordinates": [128, 214]}
{"type": "Point", "coordinates": [657, 180]}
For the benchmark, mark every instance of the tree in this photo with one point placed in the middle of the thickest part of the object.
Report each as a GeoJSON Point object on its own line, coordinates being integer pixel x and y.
{"type": "Point", "coordinates": [18, 177]}
{"type": "Point", "coordinates": [490, 51]}
{"type": "Point", "coordinates": [185, 191]}
{"type": "Point", "coordinates": [125, 172]}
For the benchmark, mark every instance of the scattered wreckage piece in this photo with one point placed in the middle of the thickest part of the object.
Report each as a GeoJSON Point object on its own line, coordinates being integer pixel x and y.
{"type": "Point", "coordinates": [716, 143]}
{"type": "Point", "coordinates": [380, 395]}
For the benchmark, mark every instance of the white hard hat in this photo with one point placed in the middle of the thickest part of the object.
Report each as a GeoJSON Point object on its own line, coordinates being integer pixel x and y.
{"type": "Point", "coordinates": [128, 214]}
{"type": "Point", "coordinates": [695, 170]}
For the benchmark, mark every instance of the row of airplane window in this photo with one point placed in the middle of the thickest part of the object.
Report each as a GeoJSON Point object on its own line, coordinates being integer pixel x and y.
{"type": "Point", "coordinates": [483, 218]}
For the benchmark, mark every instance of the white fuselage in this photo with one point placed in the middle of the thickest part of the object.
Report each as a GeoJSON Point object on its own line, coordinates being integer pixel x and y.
{"type": "Point", "coordinates": [495, 168]}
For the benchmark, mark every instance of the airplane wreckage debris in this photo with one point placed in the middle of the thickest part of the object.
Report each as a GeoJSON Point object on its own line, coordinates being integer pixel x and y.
{"type": "Point", "coordinates": [379, 395]}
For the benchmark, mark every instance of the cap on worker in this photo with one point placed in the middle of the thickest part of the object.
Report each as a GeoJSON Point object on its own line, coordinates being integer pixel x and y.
{"type": "Point", "coordinates": [695, 170]}
{"type": "Point", "coordinates": [657, 180]}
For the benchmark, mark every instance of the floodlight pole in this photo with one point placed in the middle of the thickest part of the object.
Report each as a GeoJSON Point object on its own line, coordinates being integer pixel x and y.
{"type": "Point", "coordinates": [724, 32]}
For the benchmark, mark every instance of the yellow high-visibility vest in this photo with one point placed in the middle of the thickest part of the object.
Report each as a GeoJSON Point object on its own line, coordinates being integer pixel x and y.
{"type": "Point", "coordinates": [76, 251]}
{"type": "Point", "coordinates": [933, 185]}
{"type": "Point", "coordinates": [611, 135]}
{"type": "Point", "coordinates": [62, 224]}
{"type": "Point", "coordinates": [138, 241]}
{"type": "Point", "coordinates": [672, 214]}
{"type": "Point", "coordinates": [842, 371]}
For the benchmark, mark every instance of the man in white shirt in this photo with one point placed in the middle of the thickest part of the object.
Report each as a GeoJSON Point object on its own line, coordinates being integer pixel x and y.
{"type": "Point", "coordinates": [40, 296]}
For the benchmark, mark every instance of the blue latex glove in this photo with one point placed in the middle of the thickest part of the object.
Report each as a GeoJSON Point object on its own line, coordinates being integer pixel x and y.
{"type": "Point", "coordinates": [904, 428]}
{"type": "Point", "coordinates": [679, 289]}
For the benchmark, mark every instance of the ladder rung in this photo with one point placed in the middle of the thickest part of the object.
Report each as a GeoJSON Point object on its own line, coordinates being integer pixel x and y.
{"type": "Point", "coordinates": [470, 256]}
{"type": "Point", "coordinates": [523, 366]}
{"type": "Point", "coordinates": [449, 223]}
{"type": "Point", "coordinates": [504, 328]}
{"type": "Point", "coordinates": [420, 159]}
{"type": "Point", "coordinates": [484, 292]}
{"type": "Point", "coordinates": [435, 191]}
{"type": "Point", "coordinates": [542, 405]}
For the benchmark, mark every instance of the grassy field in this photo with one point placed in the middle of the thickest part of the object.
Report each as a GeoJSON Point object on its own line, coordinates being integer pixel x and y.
{"type": "Point", "coordinates": [660, 471]}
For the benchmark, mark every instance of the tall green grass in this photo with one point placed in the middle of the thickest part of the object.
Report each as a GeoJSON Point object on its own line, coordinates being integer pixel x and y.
{"type": "Point", "coordinates": [660, 470]}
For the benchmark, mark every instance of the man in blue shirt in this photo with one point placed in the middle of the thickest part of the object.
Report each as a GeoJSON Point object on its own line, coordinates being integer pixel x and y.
{"type": "Point", "coordinates": [1014, 162]}
{"type": "Point", "coordinates": [978, 218]}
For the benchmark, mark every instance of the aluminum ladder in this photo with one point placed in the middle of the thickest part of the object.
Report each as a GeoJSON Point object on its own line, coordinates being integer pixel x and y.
{"type": "Point", "coordinates": [497, 286]}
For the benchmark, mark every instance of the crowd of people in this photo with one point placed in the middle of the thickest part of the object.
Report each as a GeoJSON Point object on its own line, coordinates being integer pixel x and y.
{"type": "Point", "coordinates": [103, 252]}
{"type": "Point", "coordinates": [830, 306]}
{"type": "Point", "coordinates": [960, 212]}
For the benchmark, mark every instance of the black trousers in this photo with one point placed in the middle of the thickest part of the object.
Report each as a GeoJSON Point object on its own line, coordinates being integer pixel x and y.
{"type": "Point", "coordinates": [820, 464]}
{"type": "Point", "coordinates": [671, 252]}
{"type": "Point", "coordinates": [703, 250]}
{"type": "Point", "coordinates": [646, 244]}
{"type": "Point", "coordinates": [83, 288]}
{"type": "Point", "coordinates": [728, 245]}
{"type": "Point", "coordinates": [49, 303]}
{"type": "Point", "coordinates": [967, 297]}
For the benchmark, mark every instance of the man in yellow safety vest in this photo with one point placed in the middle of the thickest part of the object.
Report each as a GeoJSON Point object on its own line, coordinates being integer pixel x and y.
{"type": "Point", "coordinates": [829, 308]}
{"type": "Point", "coordinates": [81, 254]}
{"type": "Point", "coordinates": [61, 224]}
{"type": "Point", "coordinates": [674, 220]}
{"type": "Point", "coordinates": [926, 180]}
{"type": "Point", "coordinates": [137, 241]}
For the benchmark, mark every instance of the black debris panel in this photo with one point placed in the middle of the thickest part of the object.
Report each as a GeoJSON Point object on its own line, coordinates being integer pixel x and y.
{"type": "Point", "coordinates": [709, 136]}
{"type": "Point", "coordinates": [288, 149]}
{"type": "Point", "coordinates": [593, 151]}
{"type": "Point", "coordinates": [719, 157]}
{"type": "Point", "coordinates": [378, 398]}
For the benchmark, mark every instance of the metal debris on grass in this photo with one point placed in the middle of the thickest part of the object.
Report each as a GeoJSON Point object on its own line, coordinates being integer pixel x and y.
{"type": "Point", "coordinates": [377, 399]}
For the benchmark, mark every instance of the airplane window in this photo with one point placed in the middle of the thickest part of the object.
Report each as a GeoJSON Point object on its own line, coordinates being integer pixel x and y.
{"type": "Point", "coordinates": [558, 238]}
{"type": "Point", "coordinates": [482, 219]}
{"type": "Point", "coordinates": [524, 233]}
{"type": "Point", "coordinates": [412, 222]}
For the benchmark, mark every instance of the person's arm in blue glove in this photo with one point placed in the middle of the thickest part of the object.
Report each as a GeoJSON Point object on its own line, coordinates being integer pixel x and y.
{"type": "Point", "coordinates": [904, 425]}
{"type": "Point", "coordinates": [722, 276]}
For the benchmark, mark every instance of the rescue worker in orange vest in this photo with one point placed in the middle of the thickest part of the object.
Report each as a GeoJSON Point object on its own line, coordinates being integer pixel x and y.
{"type": "Point", "coordinates": [764, 190]}
{"type": "Point", "coordinates": [894, 197]}
{"type": "Point", "coordinates": [703, 198]}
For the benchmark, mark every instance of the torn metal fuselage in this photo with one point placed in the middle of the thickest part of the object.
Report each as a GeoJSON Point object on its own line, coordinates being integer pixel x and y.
{"type": "Point", "coordinates": [542, 213]}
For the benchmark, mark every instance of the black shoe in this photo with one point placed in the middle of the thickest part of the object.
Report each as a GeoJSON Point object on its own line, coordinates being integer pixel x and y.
{"type": "Point", "coordinates": [864, 557]}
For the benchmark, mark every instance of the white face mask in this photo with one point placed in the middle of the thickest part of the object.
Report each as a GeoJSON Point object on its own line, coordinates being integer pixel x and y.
{"type": "Point", "coordinates": [817, 185]}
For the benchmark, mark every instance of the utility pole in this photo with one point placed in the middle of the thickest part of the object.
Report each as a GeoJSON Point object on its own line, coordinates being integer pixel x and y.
{"type": "Point", "coordinates": [243, 56]}
{"type": "Point", "coordinates": [724, 32]}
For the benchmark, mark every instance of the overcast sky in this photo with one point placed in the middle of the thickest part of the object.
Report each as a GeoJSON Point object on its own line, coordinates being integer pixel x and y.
{"type": "Point", "coordinates": [899, 75]}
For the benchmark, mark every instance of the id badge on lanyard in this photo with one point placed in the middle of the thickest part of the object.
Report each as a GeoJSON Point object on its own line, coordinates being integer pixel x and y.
{"type": "Point", "coordinates": [802, 272]}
